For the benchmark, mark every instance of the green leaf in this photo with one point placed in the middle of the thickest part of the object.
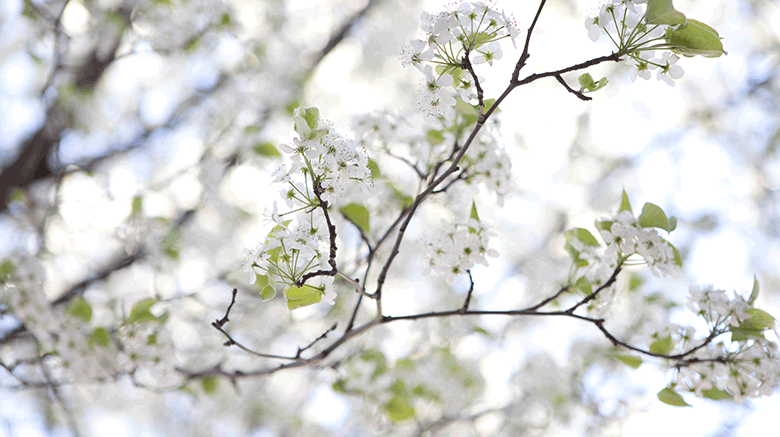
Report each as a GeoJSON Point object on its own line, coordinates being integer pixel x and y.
{"type": "Point", "coordinates": [585, 286]}
{"type": "Point", "coordinates": [100, 337]}
{"type": "Point", "coordinates": [603, 225]}
{"type": "Point", "coordinates": [629, 360]}
{"type": "Point", "coordinates": [138, 205]}
{"type": "Point", "coordinates": [378, 358]}
{"type": "Point", "coordinates": [141, 312]}
{"type": "Point", "coordinates": [266, 287]}
{"type": "Point", "coordinates": [266, 149]}
{"type": "Point", "coordinates": [695, 38]}
{"type": "Point", "coordinates": [662, 346]}
{"type": "Point", "coordinates": [474, 213]}
{"type": "Point", "coordinates": [464, 108]}
{"type": "Point", "coordinates": [489, 104]}
{"type": "Point", "coordinates": [588, 85]}
{"type": "Point", "coordinates": [399, 410]}
{"type": "Point", "coordinates": [716, 395]}
{"type": "Point", "coordinates": [170, 244]}
{"type": "Point", "coordinates": [358, 215]}
{"type": "Point", "coordinates": [585, 80]}
{"type": "Point", "coordinates": [583, 235]}
{"type": "Point", "coordinates": [753, 326]}
{"type": "Point", "coordinates": [80, 309]}
{"type": "Point", "coordinates": [754, 293]}
{"type": "Point", "coordinates": [482, 331]}
{"type": "Point", "coordinates": [653, 217]}
{"type": "Point", "coordinates": [399, 389]}
{"type": "Point", "coordinates": [663, 12]}
{"type": "Point", "coordinates": [435, 137]}
{"type": "Point", "coordinates": [225, 20]}
{"type": "Point", "coordinates": [634, 282]}
{"type": "Point", "coordinates": [374, 167]}
{"type": "Point", "coordinates": [625, 205]}
{"type": "Point", "coordinates": [7, 268]}
{"type": "Point", "coordinates": [340, 386]}
{"type": "Point", "coordinates": [209, 384]}
{"type": "Point", "coordinates": [672, 223]}
{"type": "Point", "coordinates": [298, 297]}
{"type": "Point", "coordinates": [312, 117]}
{"type": "Point", "coordinates": [671, 397]}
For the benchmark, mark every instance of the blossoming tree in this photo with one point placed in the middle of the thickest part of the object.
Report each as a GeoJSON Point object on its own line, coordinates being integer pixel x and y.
{"type": "Point", "coordinates": [339, 245]}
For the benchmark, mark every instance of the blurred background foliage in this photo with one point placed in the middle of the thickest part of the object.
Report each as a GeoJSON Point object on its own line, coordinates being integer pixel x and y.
{"type": "Point", "coordinates": [136, 143]}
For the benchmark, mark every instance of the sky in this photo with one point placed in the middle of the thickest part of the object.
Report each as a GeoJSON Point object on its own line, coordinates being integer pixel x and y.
{"type": "Point", "coordinates": [687, 171]}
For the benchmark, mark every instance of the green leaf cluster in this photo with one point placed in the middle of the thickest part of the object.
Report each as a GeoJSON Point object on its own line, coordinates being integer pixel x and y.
{"type": "Point", "coordinates": [298, 297]}
{"type": "Point", "coordinates": [141, 313]}
{"type": "Point", "coordinates": [306, 121]}
{"type": "Point", "coordinates": [685, 36]}
{"type": "Point", "coordinates": [588, 85]}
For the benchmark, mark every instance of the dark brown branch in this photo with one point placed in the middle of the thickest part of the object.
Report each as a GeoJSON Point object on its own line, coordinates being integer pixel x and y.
{"type": "Point", "coordinates": [465, 306]}
{"type": "Point", "coordinates": [466, 65]}
{"type": "Point", "coordinates": [579, 94]}
{"type": "Point", "coordinates": [613, 57]}
{"type": "Point", "coordinates": [221, 322]}
{"type": "Point", "coordinates": [595, 294]}
{"type": "Point", "coordinates": [332, 235]}
{"type": "Point", "coordinates": [524, 56]}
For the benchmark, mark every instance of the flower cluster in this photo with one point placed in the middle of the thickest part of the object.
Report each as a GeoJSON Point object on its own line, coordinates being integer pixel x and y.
{"type": "Point", "coordinates": [325, 166]}
{"type": "Point", "coordinates": [21, 289]}
{"type": "Point", "coordinates": [457, 248]}
{"type": "Point", "coordinates": [489, 164]}
{"type": "Point", "coordinates": [748, 367]}
{"type": "Point", "coordinates": [473, 29]}
{"type": "Point", "coordinates": [624, 21]}
{"type": "Point", "coordinates": [627, 237]}
{"type": "Point", "coordinates": [638, 31]}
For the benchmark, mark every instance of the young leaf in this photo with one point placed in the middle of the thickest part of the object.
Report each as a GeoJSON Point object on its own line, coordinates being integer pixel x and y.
{"type": "Point", "coordinates": [587, 84]}
{"type": "Point", "coordinates": [653, 217]}
{"type": "Point", "coordinates": [663, 12]}
{"type": "Point", "coordinates": [378, 358]}
{"type": "Point", "coordinates": [100, 337]}
{"type": "Point", "coordinates": [629, 360]}
{"type": "Point", "coordinates": [399, 410]}
{"type": "Point", "coordinates": [266, 149]}
{"type": "Point", "coordinates": [358, 215]}
{"type": "Point", "coordinates": [625, 205]}
{"type": "Point", "coordinates": [662, 346]}
{"type": "Point", "coordinates": [716, 395]}
{"type": "Point", "coordinates": [298, 297]}
{"type": "Point", "coordinates": [141, 312]}
{"type": "Point", "coordinates": [671, 397]}
{"type": "Point", "coordinates": [754, 293]}
{"type": "Point", "coordinates": [81, 309]}
{"type": "Point", "coordinates": [266, 287]}
{"type": "Point", "coordinates": [672, 223]}
{"type": "Point", "coordinates": [435, 137]}
{"type": "Point", "coordinates": [474, 213]}
{"type": "Point", "coordinates": [209, 384]}
{"type": "Point", "coordinates": [695, 38]}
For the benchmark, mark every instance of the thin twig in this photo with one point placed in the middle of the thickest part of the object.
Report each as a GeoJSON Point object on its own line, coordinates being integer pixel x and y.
{"type": "Point", "coordinates": [524, 57]}
{"type": "Point", "coordinates": [579, 94]}
{"type": "Point", "coordinates": [221, 322]}
{"type": "Point", "coordinates": [466, 65]}
{"type": "Point", "coordinates": [465, 306]}
{"type": "Point", "coordinates": [324, 334]}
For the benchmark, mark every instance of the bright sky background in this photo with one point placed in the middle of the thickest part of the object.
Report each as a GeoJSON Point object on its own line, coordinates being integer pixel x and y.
{"type": "Point", "coordinates": [685, 171]}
